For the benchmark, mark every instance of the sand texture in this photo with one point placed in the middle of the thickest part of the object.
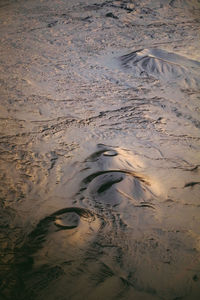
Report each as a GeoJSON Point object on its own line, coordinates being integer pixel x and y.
{"type": "Point", "coordinates": [99, 150]}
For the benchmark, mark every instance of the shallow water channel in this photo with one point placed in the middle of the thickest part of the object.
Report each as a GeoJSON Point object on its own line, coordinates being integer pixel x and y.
{"type": "Point", "coordinates": [99, 150]}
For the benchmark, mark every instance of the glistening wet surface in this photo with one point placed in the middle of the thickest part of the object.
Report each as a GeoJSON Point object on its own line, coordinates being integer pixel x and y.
{"type": "Point", "coordinates": [100, 150]}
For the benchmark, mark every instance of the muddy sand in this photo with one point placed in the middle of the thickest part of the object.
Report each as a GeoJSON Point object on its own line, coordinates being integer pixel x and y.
{"type": "Point", "coordinates": [99, 149]}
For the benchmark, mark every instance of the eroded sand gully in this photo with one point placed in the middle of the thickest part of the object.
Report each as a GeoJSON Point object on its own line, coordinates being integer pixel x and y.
{"type": "Point", "coordinates": [99, 149]}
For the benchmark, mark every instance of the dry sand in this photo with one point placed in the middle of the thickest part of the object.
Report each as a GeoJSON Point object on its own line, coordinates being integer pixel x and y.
{"type": "Point", "coordinates": [99, 149]}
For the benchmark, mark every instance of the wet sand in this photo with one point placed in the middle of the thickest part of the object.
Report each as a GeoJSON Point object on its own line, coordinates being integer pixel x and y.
{"type": "Point", "coordinates": [100, 150]}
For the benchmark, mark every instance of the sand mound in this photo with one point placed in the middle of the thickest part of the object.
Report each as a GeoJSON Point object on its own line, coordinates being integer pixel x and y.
{"type": "Point", "coordinates": [162, 64]}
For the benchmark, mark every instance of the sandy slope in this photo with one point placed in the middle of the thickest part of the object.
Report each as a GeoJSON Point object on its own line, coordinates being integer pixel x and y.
{"type": "Point", "coordinates": [99, 149]}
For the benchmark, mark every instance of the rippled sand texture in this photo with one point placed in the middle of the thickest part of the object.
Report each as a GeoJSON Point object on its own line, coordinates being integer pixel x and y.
{"type": "Point", "coordinates": [100, 150]}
